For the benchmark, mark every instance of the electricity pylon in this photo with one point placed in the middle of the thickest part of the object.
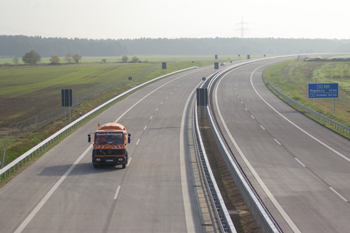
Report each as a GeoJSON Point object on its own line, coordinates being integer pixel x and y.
{"type": "Point", "coordinates": [242, 28]}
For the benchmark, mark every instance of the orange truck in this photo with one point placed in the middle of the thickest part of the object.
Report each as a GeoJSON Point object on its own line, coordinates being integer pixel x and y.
{"type": "Point", "coordinates": [110, 145]}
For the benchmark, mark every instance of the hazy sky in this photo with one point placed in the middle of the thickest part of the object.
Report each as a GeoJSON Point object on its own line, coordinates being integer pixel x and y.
{"type": "Point", "coordinates": [121, 19]}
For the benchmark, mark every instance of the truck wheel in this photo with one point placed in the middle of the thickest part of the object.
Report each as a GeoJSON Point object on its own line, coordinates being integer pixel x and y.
{"type": "Point", "coordinates": [124, 165]}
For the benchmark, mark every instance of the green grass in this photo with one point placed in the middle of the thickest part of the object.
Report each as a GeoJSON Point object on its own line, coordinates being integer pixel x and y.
{"type": "Point", "coordinates": [14, 82]}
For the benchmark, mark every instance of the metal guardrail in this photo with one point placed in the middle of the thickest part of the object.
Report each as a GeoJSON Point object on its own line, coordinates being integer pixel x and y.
{"type": "Point", "coordinates": [222, 215]}
{"type": "Point", "coordinates": [47, 142]}
{"type": "Point", "coordinates": [322, 119]}
{"type": "Point", "coordinates": [257, 208]}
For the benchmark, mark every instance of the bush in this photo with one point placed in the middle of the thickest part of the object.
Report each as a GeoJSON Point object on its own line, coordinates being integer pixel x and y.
{"type": "Point", "coordinates": [125, 59]}
{"type": "Point", "coordinates": [134, 60]}
{"type": "Point", "coordinates": [55, 59]}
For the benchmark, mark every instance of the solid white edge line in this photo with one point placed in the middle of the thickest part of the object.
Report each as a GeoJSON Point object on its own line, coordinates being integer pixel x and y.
{"type": "Point", "coordinates": [253, 171]}
{"type": "Point", "coordinates": [338, 194]}
{"type": "Point", "coordinates": [185, 193]}
{"type": "Point", "coordinates": [117, 193]}
{"type": "Point", "coordinates": [48, 194]}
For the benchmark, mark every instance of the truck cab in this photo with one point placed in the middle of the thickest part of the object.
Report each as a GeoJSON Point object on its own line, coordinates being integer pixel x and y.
{"type": "Point", "coordinates": [109, 145]}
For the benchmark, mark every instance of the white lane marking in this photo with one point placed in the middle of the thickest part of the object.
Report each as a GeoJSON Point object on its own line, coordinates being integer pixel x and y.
{"type": "Point", "coordinates": [52, 190]}
{"type": "Point", "coordinates": [137, 142]}
{"type": "Point", "coordinates": [117, 193]}
{"type": "Point", "coordinates": [246, 109]}
{"type": "Point", "coordinates": [252, 117]}
{"type": "Point", "coordinates": [166, 97]}
{"type": "Point", "coordinates": [262, 127]}
{"type": "Point", "coordinates": [145, 128]}
{"type": "Point", "coordinates": [277, 141]}
{"type": "Point", "coordinates": [338, 194]}
{"type": "Point", "coordinates": [184, 185]}
{"type": "Point", "coordinates": [295, 125]}
{"type": "Point", "coordinates": [151, 118]}
{"type": "Point", "coordinates": [241, 101]}
{"type": "Point", "coordinates": [156, 109]}
{"type": "Point", "coordinates": [161, 102]}
{"type": "Point", "coordinates": [129, 162]}
{"type": "Point", "coordinates": [253, 171]}
{"type": "Point", "coordinates": [149, 95]}
{"type": "Point", "coordinates": [171, 93]}
{"type": "Point", "coordinates": [300, 162]}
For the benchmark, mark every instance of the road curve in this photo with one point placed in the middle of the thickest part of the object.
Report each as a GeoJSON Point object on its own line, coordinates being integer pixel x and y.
{"type": "Point", "coordinates": [62, 192]}
{"type": "Point", "coordinates": [300, 169]}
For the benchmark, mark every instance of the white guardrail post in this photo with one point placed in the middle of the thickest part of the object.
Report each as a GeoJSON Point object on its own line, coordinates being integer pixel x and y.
{"type": "Point", "coordinates": [42, 145]}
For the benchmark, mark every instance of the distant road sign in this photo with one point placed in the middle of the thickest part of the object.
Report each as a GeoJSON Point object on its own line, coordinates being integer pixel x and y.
{"type": "Point", "coordinates": [66, 95]}
{"type": "Point", "coordinates": [323, 90]}
{"type": "Point", "coordinates": [130, 78]}
{"type": "Point", "coordinates": [216, 65]}
{"type": "Point", "coordinates": [202, 97]}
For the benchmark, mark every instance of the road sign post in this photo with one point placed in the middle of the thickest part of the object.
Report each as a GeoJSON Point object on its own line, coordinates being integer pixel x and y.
{"type": "Point", "coordinates": [67, 101]}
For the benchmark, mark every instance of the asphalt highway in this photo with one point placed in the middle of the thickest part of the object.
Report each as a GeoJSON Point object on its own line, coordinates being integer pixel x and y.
{"type": "Point", "coordinates": [157, 192]}
{"type": "Point", "coordinates": [300, 169]}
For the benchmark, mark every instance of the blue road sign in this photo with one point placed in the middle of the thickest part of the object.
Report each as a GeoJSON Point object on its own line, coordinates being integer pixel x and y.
{"type": "Point", "coordinates": [323, 90]}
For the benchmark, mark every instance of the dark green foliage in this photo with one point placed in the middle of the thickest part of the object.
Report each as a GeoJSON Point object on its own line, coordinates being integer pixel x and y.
{"type": "Point", "coordinates": [31, 57]}
{"type": "Point", "coordinates": [17, 45]}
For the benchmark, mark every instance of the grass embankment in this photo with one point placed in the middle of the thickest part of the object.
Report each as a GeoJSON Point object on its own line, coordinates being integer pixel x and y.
{"type": "Point", "coordinates": [26, 91]}
{"type": "Point", "coordinates": [296, 85]}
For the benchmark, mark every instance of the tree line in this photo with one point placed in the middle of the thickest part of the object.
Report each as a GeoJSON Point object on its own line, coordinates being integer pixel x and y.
{"type": "Point", "coordinates": [16, 46]}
